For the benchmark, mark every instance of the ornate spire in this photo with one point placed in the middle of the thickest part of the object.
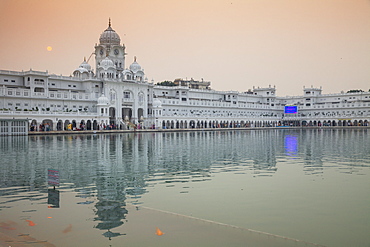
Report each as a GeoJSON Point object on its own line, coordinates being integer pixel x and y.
{"type": "Point", "coordinates": [135, 59]}
{"type": "Point", "coordinates": [109, 22]}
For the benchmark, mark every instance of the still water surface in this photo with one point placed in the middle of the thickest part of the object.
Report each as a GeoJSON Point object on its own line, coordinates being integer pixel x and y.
{"type": "Point", "coordinates": [116, 189]}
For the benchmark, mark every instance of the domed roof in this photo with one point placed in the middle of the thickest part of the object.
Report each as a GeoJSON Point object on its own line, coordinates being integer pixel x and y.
{"type": "Point", "coordinates": [103, 100]}
{"type": "Point", "coordinates": [157, 103]}
{"type": "Point", "coordinates": [109, 36]}
{"type": "Point", "coordinates": [106, 63]}
{"type": "Point", "coordinates": [135, 67]}
{"type": "Point", "coordinates": [127, 71]}
{"type": "Point", "coordinates": [81, 70]}
{"type": "Point", "coordinates": [85, 65]}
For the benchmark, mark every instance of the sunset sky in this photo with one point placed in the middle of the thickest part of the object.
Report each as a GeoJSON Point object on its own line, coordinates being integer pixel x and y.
{"type": "Point", "coordinates": [234, 44]}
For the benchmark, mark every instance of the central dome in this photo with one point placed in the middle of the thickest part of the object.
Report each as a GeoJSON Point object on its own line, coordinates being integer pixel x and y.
{"type": "Point", "coordinates": [109, 37]}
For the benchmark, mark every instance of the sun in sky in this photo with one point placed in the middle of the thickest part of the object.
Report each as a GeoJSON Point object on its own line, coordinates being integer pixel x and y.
{"type": "Point", "coordinates": [49, 48]}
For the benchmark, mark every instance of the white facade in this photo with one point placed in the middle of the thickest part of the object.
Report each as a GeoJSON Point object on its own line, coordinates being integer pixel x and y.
{"type": "Point", "coordinates": [259, 107]}
{"type": "Point", "coordinates": [121, 97]}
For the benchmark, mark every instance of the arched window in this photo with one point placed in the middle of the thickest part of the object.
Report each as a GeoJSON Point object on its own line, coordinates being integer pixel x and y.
{"type": "Point", "coordinates": [141, 98]}
{"type": "Point", "coordinates": [112, 95]}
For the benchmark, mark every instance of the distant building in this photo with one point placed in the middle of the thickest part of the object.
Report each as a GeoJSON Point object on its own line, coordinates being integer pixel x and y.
{"type": "Point", "coordinates": [115, 96]}
{"type": "Point", "coordinates": [193, 84]}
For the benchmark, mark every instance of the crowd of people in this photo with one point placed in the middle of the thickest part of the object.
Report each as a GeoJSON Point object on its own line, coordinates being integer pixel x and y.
{"type": "Point", "coordinates": [46, 127]}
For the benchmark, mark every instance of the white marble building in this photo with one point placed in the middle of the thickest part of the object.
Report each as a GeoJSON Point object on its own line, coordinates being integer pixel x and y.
{"type": "Point", "coordinates": [113, 94]}
{"type": "Point", "coordinates": [88, 99]}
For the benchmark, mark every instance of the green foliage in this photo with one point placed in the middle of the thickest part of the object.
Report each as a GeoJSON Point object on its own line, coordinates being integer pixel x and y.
{"type": "Point", "coordinates": [166, 83]}
{"type": "Point", "coordinates": [355, 91]}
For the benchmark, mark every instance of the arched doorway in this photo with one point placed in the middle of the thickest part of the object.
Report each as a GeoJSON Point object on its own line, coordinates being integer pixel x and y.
{"type": "Point", "coordinates": [140, 114]}
{"type": "Point", "coordinates": [74, 124]}
{"type": "Point", "coordinates": [192, 124]}
{"type": "Point", "coordinates": [66, 124]}
{"type": "Point", "coordinates": [47, 124]}
{"type": "Point", "coordinates": [112, 115]}
{"type": "Point", "coordinates": [33, 125]}
{"type": "Point", "coordinates": [60, 125]}
{"type": "Point", "coordinates": [95, 125]}
{"type": "Point", "coordinates": [82, 125]}
{"type": "Point", "coordinates": [126, 114]}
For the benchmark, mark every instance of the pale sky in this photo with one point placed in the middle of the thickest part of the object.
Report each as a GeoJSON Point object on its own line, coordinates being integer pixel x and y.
{"type": "Point", "coordinates": [234, 44]}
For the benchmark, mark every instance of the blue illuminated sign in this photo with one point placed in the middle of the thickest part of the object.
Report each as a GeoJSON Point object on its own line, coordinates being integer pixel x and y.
{"type": "Point", "coordinates": [291, 109]}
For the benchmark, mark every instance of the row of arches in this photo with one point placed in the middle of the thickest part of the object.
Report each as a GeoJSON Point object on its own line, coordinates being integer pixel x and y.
{"type": "Point", "coordinates": [127, 114]}
{"type": "Point", "coordinates": [64, 125]}
{"type": "Point", "coordinates": [184, 124]}
{"type": "Point", "coordinates": [60, 125]}
{"type": "Point", "coordinates": [69, 125]}
{"type": "Point", "coordinates": [336, 123]}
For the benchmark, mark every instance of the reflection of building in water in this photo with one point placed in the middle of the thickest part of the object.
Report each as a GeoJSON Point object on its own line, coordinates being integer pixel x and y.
{"type": "Point", "coordinates": [291, 145]}
{"type": "Point", "coordinates": [114, 169]}
{"type": "Point", "coordinates": [264, 152]}
{"type": "Point", "coordinates": [109, 171]}
{"type": "Point", "coordinates": [311, 145]}
{"type": "Point", "coordinates": [341, 149]}
{"type": "Point", "coordinates": [129, 162]}
{"type": "Point", "coordinates": [194, 154]}
{"type": "Point", "coordinates": [110, 208]}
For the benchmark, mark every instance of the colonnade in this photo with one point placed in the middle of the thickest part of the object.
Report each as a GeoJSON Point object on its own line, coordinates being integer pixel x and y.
{"type": "Point", "coordinates": [95, 124]}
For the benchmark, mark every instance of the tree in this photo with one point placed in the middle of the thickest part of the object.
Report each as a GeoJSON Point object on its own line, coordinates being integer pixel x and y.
{"type": "Point", "coordinates": [355, 91]}
{"type": "Point", "coordinates": [166, 83]}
